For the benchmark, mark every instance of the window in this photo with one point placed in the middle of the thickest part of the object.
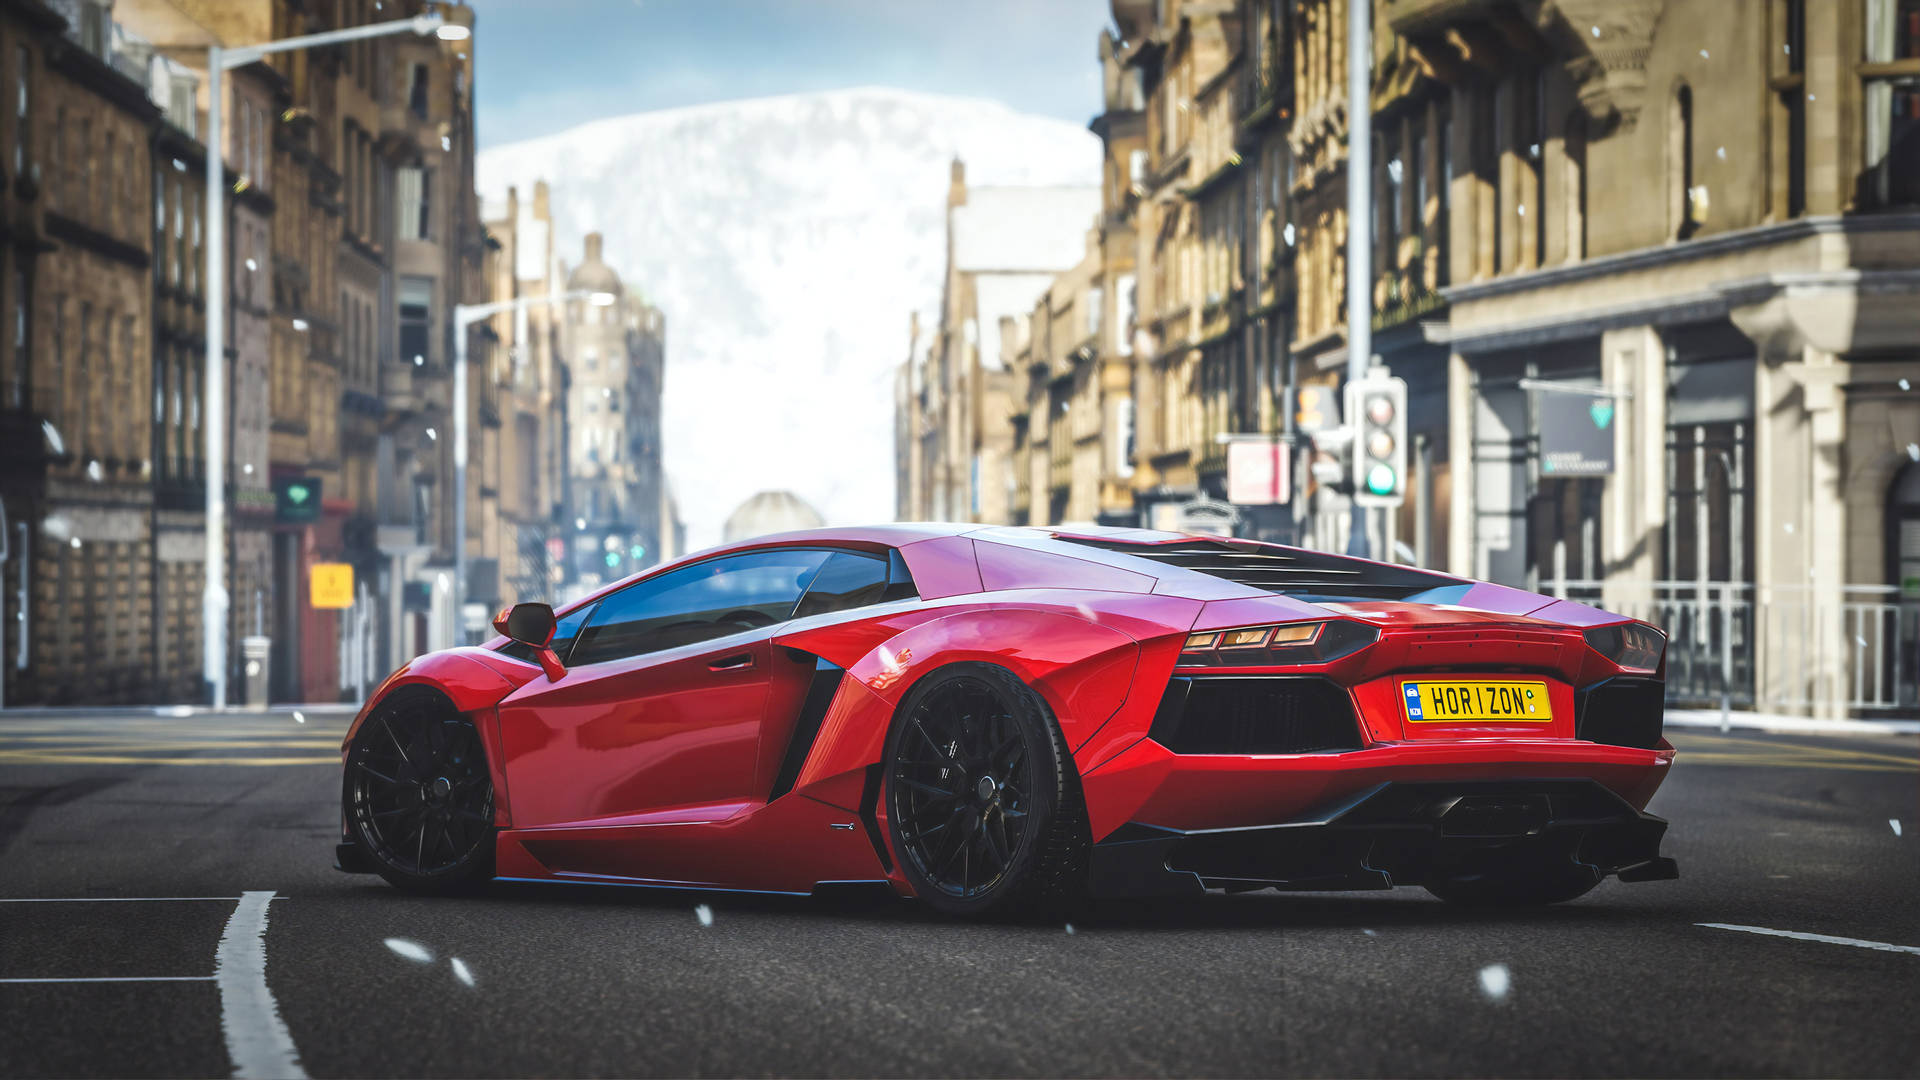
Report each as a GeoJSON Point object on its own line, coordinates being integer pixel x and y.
{"type": "Point", "coordinates": [847, 581]}
{"type": "Point", "coordinates": [698, 603]}
{"type": "Point", "coordinates": [416, 317]}
{"type": "Point", "coordinates": [84, 151]}
{"type": "Point", "coordinates": [1686, 200]}
{"type": "Point", "coordinates": [59, 178]}
{"type": "Point", "coordinates": [22, 111]}
{"type": "Point", "coordinates": [414, 194]}
{"type": "Point", "coordinates": [1892, 77]}
{"type": "Point", "coordinates": [417, 92]}
{"type": "Point", "coordinates": [85, 387]}
{"type": "Point", "coordinates": [21, 361]}
{"type": "Point", "coordinates": [1576, 184]}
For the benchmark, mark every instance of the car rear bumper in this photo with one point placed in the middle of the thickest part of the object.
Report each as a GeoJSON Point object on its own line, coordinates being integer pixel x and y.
{"type": "Point", "coordinates": [1151, 784]}
{"type": "Point", "coordinates": [1395, 833]}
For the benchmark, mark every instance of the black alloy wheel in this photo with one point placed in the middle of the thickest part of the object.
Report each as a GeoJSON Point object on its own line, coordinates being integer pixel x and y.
{"type": "Point", "coordinates": [982, 800]}
{"type": "Point", "coordinates": [419, 798]}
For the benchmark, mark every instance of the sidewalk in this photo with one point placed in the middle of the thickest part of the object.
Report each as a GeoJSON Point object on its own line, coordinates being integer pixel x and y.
{"type": "Point", "coordinates": [39, 712]}
{"type": "Point", "coordinates": [1788, 725]}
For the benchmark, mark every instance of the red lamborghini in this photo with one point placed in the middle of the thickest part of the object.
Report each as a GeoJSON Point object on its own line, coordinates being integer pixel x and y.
{"type": "Point", "coordinates": [1003, 720]}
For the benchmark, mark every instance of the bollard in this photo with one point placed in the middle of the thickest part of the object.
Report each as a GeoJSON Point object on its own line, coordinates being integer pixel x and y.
{"type": "Point", "coordinates": [254, 655]}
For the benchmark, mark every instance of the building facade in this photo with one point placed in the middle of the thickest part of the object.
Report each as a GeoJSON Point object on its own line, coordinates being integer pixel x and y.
{"type": "Point", "coordinates": [94, 596]}
{"type": "Point", "coordinates": [1004, 245]}
{"type": "Point", "coordinates": [616, 347]}
{"type": "Point", "coordinates": [352, 232]}
{"type": "Point", "coordinates": [1692, 235]}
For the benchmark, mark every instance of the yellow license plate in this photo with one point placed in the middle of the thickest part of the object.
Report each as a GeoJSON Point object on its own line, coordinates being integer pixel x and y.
{"type": "Point", "coordinates": [1476, 700]}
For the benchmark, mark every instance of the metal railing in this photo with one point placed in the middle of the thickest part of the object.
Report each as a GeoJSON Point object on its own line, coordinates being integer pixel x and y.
{"type": "Point", "coordinates": [1775, 648]}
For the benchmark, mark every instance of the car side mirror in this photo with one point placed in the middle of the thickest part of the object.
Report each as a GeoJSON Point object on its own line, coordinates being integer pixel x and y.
{"type": "Point", "coordinates": [532, 624]}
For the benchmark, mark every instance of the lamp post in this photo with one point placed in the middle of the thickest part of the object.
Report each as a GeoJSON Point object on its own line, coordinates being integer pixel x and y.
{"type": "Point", "coordinates": [1360, 229]}
{"type": "Point", "coordinates": [465, 315]}
{"type": "Point", "coordinates": [214, 600]}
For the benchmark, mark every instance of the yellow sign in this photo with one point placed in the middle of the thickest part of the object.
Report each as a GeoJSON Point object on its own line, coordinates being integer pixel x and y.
{"type": "Point", "coordinates": [330, 585]}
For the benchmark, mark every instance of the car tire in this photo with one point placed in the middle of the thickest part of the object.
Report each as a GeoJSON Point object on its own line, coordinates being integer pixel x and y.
{"type": "Point", "coordinates": [418, 795]}
{"type": "Point", "coordinates": [983, 804]}
{"type": "Point", "coordinates": [1517, 887]}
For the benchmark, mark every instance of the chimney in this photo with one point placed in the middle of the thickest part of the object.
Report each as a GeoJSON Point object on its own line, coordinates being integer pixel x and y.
{"type": "Point", "coordinates": [957, 185]}
{"type": "Point", "coordinates": [593, 247]}
{"type": "Point", "coordinates": [540, 199]}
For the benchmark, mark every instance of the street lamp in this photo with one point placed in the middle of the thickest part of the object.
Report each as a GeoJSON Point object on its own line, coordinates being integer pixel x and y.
{"type": "Point", "coordinates": [465, 315]}
{"type": "Point", "coordinates": [214, 600]}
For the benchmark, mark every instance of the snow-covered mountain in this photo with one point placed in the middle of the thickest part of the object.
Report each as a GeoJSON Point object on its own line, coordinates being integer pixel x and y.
{"type": "Point", "coordinates": [787, 240]}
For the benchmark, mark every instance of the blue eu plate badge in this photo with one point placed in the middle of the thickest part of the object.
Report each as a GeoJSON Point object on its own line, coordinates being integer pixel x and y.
{"type": "Point", "coordinates": [1413, 700]}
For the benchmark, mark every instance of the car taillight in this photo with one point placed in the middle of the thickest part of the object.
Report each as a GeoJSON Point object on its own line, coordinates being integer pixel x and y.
{"type": "Point", "coordinates": [1633, 646]}
{"type": "Point", "coordinates": [1287, 643]}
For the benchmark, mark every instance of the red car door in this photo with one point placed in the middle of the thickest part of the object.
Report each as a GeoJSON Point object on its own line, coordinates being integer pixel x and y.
{"type": "Point", "coordinates": [657, 719]}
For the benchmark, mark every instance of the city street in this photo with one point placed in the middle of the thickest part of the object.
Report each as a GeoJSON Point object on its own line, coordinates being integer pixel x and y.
{"type": "Point", "coordinates": [136, 849]}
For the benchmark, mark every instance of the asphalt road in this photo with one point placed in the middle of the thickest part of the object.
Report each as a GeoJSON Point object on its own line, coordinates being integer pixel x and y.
{"type": "Point", "coordinates": [1780, 833]}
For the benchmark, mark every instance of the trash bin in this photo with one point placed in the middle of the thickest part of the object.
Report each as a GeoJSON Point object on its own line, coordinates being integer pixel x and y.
{"type": "Point", "coordinates": [254, 654]}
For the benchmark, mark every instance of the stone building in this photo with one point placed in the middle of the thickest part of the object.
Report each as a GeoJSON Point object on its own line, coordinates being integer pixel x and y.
{"type": "Point", "coordinates": [1729, 289]}
{"type": "Point", "coordinates": [769, 512]}
{"type": "Point", "coordinates": [169, 50]}
{"type": "Point", "coordinates": [98, 599]}
{"type": "Point", "coordinates": [1063, 395]}
{"type": "Point", "coordinates": [31, 393]}
{"type": "Point", "coordinates": [328, 153]}
{"type": "Point", "coordinates": [525, 469]}
{"type": "Point", "coordinates": [1687, 228]}
{"type": "Point", "coordinates": [615, 344]}
{"type": "Point", "coordinates": [1004, 245]}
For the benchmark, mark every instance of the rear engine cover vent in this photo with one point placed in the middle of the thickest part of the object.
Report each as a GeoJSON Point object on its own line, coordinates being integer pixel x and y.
{"type": "Point", "coordinates": [1296, 572]}
{"type": "Point", "coordinates": [1255, 714]}
{"type": "Point", "coordinates": [1622, 712]}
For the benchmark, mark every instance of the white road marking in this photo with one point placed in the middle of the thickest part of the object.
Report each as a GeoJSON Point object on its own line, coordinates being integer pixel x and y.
{"type": "Point", "coordinates": [1798, 935]}
{"type": "Point", "coordinates": [460, 971]}
{"type": "Point", "coordinates": [257, 1039]}
{"type": "Point", "coordinates": [119, 978]}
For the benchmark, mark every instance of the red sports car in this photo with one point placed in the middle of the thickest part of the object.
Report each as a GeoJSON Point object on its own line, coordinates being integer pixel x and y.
{"type": "Point", "coordinates": [1004, 720]}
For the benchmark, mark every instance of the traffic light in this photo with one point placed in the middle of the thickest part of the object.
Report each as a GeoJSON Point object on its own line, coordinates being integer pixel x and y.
{"type": "Point", "coordinates": [1377, 409]}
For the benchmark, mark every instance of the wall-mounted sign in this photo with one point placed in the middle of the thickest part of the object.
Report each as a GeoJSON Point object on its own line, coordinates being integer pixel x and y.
{"type": "Point", "coordinates": [1259, 472]}
{"type": "Point", "coordinates": [1576, 434]}
{"type": "Point", "coordinates": [296, 498]}
{"type": "Point", "coordinates": [330, 585]}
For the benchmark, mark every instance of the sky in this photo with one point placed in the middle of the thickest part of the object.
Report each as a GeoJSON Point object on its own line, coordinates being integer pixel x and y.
{"type": "Point", "coordinates": [543, 66]}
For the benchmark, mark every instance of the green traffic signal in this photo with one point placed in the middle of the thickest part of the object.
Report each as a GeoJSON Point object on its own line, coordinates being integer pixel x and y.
{"type": "Point", "coordinates": [613, 559]}
{"type": "Point", "coordinates": [1381, 480]}
{"type": "Point", "coordinates": [637, 552]}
